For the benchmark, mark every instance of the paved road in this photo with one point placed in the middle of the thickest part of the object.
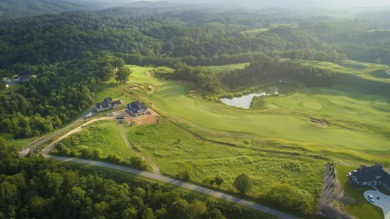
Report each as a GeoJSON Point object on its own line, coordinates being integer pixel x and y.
{"type": "Point", "coordinates": [44, 139]}
{"type": "Point", "coordinates": [154, 176]}
{"type": "Point", "coordinates": [165, 179]}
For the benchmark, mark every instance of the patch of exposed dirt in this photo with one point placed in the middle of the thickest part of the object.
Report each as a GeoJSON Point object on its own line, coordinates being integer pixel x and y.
{"type": "Point", "coordinates": [151, 89]}
{"type": "Point", "coordinates": [149, 118]}
{"type": "Point", "coordinates": [332, 201]}
{"type": "Point", "coordinates": [323, 123]}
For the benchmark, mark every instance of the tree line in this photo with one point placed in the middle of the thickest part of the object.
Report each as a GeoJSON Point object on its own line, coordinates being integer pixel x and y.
{"type": "Point", "coordinates": [33, 187]}
{"type": "Point", "coordinates": [261, 69]}
{"type": "Point", "coordinates": [55, 93]}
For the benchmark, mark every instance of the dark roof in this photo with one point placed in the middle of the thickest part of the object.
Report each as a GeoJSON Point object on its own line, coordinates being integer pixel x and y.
{"type": "Point", "coordinates": [107, 99]}
{"type": "Point", "coordinates": [367, 174]}
{"type": "Point", "coordinates": [107, 102]}
{"type": "Point", "coordinates": [137, 105]}
{"type": "Point", "coordinates": [116, 102]}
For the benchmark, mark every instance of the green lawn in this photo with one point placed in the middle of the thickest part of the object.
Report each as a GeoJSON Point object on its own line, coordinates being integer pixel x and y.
{"type": "Point", "coordinates": [104, 135]}
{"type": "Point", "coordinates": [289, 120]}
{"type": "Point", "coordinates": [361, 208]}
{"type": "Point", "coordinates": [281, 123]}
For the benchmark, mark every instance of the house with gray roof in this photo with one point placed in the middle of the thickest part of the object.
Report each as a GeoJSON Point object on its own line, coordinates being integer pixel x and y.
{"type": "Point", "coordinates": [374, 175]}
{"type": "Point", "coordinates": [107, 104]}
{"type": "Point", "coordinates": [136, 108]}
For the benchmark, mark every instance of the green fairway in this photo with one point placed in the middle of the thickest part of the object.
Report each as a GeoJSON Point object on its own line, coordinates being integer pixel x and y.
{"type": "Point", "coordinates": [289, 121]}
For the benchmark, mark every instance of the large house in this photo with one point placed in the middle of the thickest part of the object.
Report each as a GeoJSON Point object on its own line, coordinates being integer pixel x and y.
{"type": "Point", "coordinates": [370, 176]}
{"type": "Point", "coordinates": [136, 108]}
{"type": "Point", "coordinates": [107, 104]}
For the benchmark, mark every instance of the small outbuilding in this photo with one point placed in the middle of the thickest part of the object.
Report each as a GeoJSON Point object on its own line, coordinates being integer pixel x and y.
{"type": "Point", "coordinates": [137, 108]}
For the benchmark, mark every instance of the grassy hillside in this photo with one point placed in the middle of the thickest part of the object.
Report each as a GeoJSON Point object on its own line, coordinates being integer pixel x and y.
{"type": "Point", "coordinates": [172, 147]}
{"type": "Point", "coordinates": [358, 122]}
{"type": "Point", "coordinates": [283, 144]}
{"type": "Point", "coordinates": [103, 135]}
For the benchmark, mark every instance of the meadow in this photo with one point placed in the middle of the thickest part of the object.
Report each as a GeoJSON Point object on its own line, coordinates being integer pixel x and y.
{"type": "Point", "coordinates": [103, 135]}
{"type": "Point", "coordinates": [172, 147]}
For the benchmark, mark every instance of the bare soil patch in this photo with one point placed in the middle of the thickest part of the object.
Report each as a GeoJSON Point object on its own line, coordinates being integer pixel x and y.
{"type": "Point", "coordinates": [331, 204]}
{"type": "Point", "coordinates": [149, 118]}
{"type": "Point", "coordinates": [323, 123]}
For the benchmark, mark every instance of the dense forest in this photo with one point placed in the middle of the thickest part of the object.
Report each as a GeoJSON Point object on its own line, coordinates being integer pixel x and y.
{"type": "Point", "coordinates": [34, 187]}
{"type": "Point", "coordinates": [11, 9]}
{"type": "Point", "coordinates": [65, 56]}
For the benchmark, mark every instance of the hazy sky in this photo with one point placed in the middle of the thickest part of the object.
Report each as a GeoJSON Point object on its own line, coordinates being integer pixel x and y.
{"type": "Point", "coordinates": [295, 3]}
{"type": "Point", "coordinates": [340, 4]}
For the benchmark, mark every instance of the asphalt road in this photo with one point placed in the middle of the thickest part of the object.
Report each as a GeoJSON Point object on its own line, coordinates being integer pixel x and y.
{"type": "Point", "coordinates": [158, 177]}
{"type": "Point", "coordinates": [165, 179]}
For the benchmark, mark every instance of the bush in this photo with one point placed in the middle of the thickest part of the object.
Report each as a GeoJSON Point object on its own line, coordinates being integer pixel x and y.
{"type": "Point", "coordinates": [138, 163]}
{"type": "Point", "coordinates": [291, 197]}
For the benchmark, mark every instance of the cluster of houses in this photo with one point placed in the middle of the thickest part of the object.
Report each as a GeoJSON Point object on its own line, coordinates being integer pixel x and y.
{"type": "Point", "coordinates": [370, 176]}
{"type": "Point", "coordinates": [135, 108]}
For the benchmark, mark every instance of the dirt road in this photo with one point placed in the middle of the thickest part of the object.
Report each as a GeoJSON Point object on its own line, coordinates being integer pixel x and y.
{"type": "Point", "coordinates": [154, 176]}
{"type": "Point", "coordinates": [144, 157]}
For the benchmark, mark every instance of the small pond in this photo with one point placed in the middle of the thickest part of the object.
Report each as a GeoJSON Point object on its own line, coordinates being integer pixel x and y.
{"type": "Point", "coordinates": [244, 101]}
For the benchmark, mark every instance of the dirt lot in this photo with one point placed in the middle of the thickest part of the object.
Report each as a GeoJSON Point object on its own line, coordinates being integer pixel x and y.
{"type": "Point", "coordinates": [150, 118]}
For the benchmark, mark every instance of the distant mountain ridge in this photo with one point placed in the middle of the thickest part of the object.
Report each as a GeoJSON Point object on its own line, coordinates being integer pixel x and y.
{"type": "Point", "coordinates": [10, 9]}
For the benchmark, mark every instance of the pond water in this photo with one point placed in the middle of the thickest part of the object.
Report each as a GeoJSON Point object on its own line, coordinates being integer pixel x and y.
{"type": "Point", "coordinates": [243, 101]}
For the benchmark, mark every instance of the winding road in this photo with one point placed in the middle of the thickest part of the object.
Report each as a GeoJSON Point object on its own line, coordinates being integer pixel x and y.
{"type": "Point", "coordinates": [155, 176]}
{"type": "Point", "coordinates": [186, 185]}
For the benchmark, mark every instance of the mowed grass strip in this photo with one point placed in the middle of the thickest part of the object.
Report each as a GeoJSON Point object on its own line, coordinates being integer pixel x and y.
{"type": "Point", "coordinates": [170, 146]}
{"type": "Point", "coordinates": [104, 135]}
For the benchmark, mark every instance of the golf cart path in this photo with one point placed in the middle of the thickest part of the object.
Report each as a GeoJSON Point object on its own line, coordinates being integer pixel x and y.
{"type": "Point", "coordinates": [383, 202]}
{"type": "Point", "coordinates": [175, 182]}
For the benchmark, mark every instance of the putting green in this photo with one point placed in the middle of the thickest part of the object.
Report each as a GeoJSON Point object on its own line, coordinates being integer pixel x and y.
{"type": "Point", "coordinates": [312, 105]}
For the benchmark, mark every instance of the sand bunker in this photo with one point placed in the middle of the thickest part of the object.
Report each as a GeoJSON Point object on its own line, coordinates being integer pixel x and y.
{"type": "Point", "coordinates": [320, 122]}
